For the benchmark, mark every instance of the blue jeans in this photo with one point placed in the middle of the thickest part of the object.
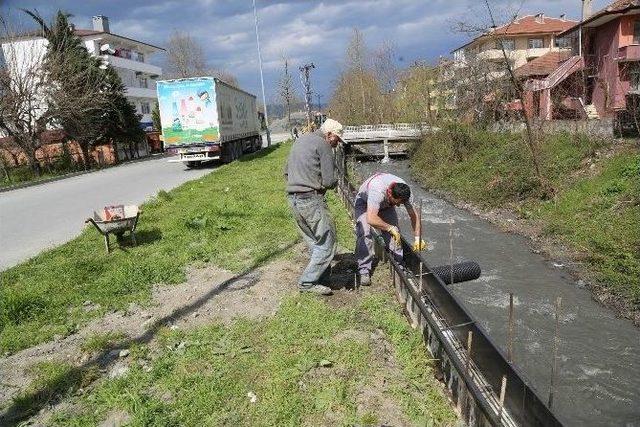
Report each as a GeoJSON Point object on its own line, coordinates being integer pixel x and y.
{"type": "Point", "coordinates": [318, 230]}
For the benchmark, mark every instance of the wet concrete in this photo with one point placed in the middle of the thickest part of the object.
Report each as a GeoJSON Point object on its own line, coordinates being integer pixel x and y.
{"type": "Point", "coordinates": [598, 381]}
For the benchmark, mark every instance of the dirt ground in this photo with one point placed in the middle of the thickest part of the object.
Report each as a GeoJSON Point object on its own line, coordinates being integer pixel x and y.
{"type": "Point", "coordinates": [210, 294]}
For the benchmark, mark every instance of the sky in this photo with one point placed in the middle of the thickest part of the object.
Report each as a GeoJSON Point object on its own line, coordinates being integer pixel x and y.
{"type": "Point", "coordinates": [302, 30]}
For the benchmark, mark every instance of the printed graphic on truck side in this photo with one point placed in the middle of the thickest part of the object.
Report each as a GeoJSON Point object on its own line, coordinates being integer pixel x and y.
{"type": "Point", "coordinates": [188, 111]}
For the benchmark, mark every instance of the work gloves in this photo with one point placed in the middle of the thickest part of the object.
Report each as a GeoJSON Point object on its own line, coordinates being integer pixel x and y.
{"type": "Point", "coordinates": [419, 244]}
{"type": "Point", "coordinates": [395, 234]}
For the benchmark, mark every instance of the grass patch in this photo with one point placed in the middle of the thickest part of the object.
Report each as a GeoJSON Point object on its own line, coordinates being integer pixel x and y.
{"type": "Point", "coordinates": [595, 211]}
{"type": "Point", "coordinates": [53, 381]}
{"type": "Point", "coordinates": [237, 217]}
{"type": "Point", "coordinates": [99, 342]}
{"type": "Point", "coordinates": [280, 361]}
{"type": "Point", "coordinates": [293, 362]}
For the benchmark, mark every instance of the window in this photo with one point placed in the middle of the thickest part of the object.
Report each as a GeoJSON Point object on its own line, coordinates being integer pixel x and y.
{"type": "Point", "coordinates": [507, 44]}
{"type": "Point", "coordinates": [563, 42]}
{"type": "Point", "coordinates": [636, 32]}
{"type": "Point", "coordinates": [140, 57]}
{"type": "Point", "coordinates": [535, 43]}
{"type": "Point", "coordinates": [144, 108]}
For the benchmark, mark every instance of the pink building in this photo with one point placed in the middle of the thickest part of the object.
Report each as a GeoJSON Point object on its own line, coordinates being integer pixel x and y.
{"type": "Point", "coordinates": [601, 77]}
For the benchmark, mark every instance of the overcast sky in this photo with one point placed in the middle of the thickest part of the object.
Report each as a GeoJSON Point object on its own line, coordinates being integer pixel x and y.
{"type": "Point", "coordinates": [303, 30]}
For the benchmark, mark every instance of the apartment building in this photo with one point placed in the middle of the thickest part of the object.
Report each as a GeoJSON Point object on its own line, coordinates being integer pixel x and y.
{"type": "Point", "coordinates": [600, 78]}
{"type": "Point", "coordinates": [524, 39]}
{"type": "Point", "coordinates": [129, 57]}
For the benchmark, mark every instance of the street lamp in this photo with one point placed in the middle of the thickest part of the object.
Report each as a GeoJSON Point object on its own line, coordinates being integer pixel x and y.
{"type": "Point", "coordinates": [264, 100]}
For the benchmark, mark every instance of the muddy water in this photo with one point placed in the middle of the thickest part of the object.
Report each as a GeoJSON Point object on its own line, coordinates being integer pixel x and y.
{"type": "Point", "coordinates": [598, 382]}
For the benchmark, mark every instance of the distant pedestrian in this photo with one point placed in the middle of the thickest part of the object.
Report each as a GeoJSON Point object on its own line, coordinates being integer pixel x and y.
{"type": "Point", "coordinates": [375, 207]}
{"type": "Point", "coordinates": [310, 172]}
{"type": "Point", "coordinates": [295, 133]}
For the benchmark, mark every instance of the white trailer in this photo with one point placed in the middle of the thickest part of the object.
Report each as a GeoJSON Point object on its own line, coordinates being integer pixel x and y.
{"type": "Point", "coordinates": [205, 119]}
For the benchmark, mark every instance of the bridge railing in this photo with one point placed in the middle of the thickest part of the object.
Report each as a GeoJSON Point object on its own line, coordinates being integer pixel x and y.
{"type": "Point", "coordinates": [385, 131]}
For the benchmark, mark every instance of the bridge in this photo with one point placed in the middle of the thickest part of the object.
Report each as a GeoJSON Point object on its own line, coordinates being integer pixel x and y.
{"type": "Point", "coordinates": [384, 139]}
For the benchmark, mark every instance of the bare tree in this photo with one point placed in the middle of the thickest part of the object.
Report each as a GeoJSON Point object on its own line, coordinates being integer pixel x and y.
{"type": "Point", "coordinates": [186, 58]}
{"type": "Point", "coordinates": [23, 113]}
{"type": "Point", "coordinates": [286, 90]}
{"type": "Point", "coordinates": [356, 63]}
{"type": "Point", "coordinates": [386, 72]}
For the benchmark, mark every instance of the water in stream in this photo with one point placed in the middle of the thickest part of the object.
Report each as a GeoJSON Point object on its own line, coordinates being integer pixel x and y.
{"type": "Point", "coordinates": [598, 381]}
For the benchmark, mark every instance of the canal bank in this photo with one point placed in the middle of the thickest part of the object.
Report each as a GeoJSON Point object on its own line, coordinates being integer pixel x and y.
{"type": "Point", "coordinates": [598, 375]}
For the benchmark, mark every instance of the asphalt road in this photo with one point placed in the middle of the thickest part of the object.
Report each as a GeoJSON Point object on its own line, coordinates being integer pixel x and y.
{"type": "Point", "coordinates": [36, 218]}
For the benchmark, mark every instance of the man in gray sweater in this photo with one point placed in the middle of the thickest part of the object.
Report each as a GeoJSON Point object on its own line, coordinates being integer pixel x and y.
{"type": "Point", "coordinates": [310, 172]}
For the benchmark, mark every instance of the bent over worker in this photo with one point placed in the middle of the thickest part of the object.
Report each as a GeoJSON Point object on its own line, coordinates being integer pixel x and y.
{"type": "Point", "coordinates": [310, 172]}
{"type": "Point", "coordinates": [375, 207]}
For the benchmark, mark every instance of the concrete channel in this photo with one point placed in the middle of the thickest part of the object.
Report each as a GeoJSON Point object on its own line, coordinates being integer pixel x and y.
{"type": "Point", "coordinates": [597, 379]}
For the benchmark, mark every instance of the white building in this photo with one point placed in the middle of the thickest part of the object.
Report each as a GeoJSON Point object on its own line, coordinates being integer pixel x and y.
{"type": "Point", "coordinates": [129, 57]}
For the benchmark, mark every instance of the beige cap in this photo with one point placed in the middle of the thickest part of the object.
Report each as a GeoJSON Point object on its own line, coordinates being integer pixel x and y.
{"type": "Point", "coordinates": [332, 126]}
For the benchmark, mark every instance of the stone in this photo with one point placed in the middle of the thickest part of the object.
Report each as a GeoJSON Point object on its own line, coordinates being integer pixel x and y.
{"type": "Point", "coordinates": [118, 371]}
{"type": "Point", "coordinates": [123, 353]}
{"type": "Point", "coordinates": [325, 363]}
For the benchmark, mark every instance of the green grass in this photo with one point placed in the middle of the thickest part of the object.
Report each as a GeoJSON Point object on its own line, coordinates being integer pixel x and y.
{"type": "Point", "coordinates": [235, 217]}
{"type": "Point", "coordinates": [225, 218]}
{"type": "Point", "coordinates": [53, 381]}
{"type": "Point", "coordinates": [595, 212]}
{"type": "Point", "coordinates": [22, 174]}
{"type": "Point", "coordinates": [279, 360]}
{"type": "Point", "coordinates": [101, 341]}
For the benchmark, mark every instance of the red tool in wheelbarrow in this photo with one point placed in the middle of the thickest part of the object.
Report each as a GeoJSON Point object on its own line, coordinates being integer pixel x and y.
{"type": "Point", "coordinates": [116, 220]}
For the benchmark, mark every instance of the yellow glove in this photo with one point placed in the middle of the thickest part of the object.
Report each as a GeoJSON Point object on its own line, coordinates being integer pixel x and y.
{"type": "Point", "coordinates": [419, 244]}
{"type": "Point", "coordinates": [395, 234]}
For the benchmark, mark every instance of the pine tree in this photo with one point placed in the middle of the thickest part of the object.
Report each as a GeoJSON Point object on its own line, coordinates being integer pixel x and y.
{"type": "Point", "coordinates": [86, 97]}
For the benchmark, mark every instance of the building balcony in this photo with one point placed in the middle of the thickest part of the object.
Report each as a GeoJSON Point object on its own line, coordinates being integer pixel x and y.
{"type": "Point", "coordinates": [130, 64]}
{"type": "Point", "coordinates": [537, 52]}
{"type": "Point", "coordinates": [140, 92]}
{"type": "Point", "coordinates": [495, 55]}
{"type": "Point", "coordinates": [491, 54]}
{"type": "Point", "coordinates": [629, 53]}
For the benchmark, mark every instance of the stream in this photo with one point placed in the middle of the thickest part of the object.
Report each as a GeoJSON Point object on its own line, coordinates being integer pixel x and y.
{"type": "Point", "coordinates": [598, 379]}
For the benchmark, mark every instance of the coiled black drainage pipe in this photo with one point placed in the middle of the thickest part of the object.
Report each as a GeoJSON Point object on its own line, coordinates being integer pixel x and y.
{"type": "Point", "coordinates": [461, 272]}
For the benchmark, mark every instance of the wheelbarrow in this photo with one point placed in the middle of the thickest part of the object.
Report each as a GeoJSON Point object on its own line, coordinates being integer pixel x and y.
{"type": "Point", "coordinates": [117, 226]}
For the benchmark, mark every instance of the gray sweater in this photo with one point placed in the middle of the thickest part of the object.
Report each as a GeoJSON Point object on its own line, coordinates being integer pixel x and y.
{"type": "Point", "coordinates": [310, 165]}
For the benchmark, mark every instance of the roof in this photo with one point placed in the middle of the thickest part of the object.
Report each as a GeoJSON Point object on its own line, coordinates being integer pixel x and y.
{"type": "Point", "coordinates": [618, 6]}
{"type": "Point", "coordinates": [88, 33]}
{"type": "Point", "coordinates": [543, 65]}
{"type": "Point", "coordinates": [80, 33]}
{"type": "Point", "coordinates": [528, 25]}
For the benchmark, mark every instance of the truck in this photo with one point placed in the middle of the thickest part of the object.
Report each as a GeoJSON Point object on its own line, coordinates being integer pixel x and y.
{"type": "Point", "coordinates": [205, 119]}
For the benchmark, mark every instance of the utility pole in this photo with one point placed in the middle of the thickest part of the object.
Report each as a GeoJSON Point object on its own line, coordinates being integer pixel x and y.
{"type": "Point", "coordinates": [318, 96]}
{"type": "Point", "coordinates": [264, 100]}
{"type": "Point", "coordinates": [305, 71]}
